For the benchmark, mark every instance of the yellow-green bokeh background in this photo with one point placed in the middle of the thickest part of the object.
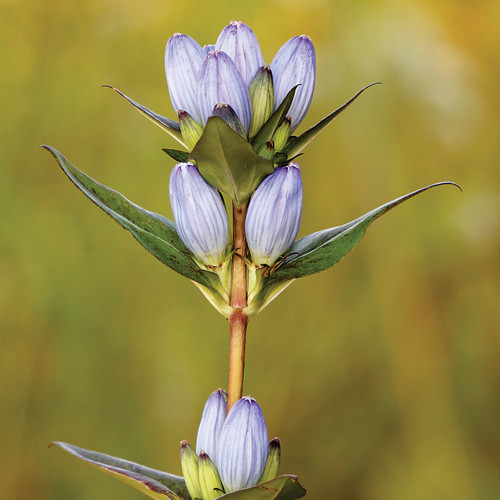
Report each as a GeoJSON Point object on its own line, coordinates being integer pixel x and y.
{"type": "Point", "coordinates": [381, 375]}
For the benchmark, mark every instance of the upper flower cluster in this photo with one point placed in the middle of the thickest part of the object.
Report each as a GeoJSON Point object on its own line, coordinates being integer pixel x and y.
{"type": "Point", "coordinates": [230, 80]}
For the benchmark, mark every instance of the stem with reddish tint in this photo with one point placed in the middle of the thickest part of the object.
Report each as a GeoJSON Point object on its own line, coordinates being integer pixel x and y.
{"type": "Point", "coordinates": [238, 319]}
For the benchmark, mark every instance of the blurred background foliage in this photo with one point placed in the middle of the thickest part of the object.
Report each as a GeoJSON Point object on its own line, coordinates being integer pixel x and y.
{"type": "Point", "coordinates": [381, 376]}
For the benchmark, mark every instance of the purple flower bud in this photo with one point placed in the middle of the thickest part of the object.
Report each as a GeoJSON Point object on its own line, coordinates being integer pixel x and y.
{"type": "Point", "coordinates": [199, 214]}
{"type": "Point", "coordinates": [238, 41]}
{"type": "Point", "coordinates": [220, 81]}
{"type": "Point", "coordinates": [183, 60]}
{"type": "Point", "coordinates": [211, 423]}
{"type": "Point", "coordinates": [243, 446]}
{"type": "Point", "coordinates": [295, 63]}
{"type": "Point", "coordinates": [226, 112]}
{"type": "Point", "coordinates": [208, 48]}
{"type": "Point", "coordinates": [274, 213]}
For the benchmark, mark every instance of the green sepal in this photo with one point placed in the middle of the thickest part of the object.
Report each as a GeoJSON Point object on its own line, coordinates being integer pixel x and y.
{"type": "Point", "coordinates": [266, 133]}
{"type": "Point", "coordinates": [228, 162]}
{"type": "Point", "coordinates": [273, 461]}
{"type": "Point", "coordinates": [284, 487]}
{"type": "Point", "coordinates": [154, 483]}
{"type": "Point", "coordinates": [190, 469]}
{"type": "Point", "coordinates": [281, 159]}
{"type": "Point", "coordinates": [168, 125]}
{"type": "Point", "coordinates": [321, 250]}
{"type": "Point", "coordinates": [210, 483]}
{"type": "Point", "coordinates": [177, 155]}
{"type": "Point", "coordinates": [154, 232]}
{"type": "Point", "coordinates": [296, 144]}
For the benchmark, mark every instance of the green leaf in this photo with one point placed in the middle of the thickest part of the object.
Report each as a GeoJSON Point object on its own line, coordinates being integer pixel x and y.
{"type": "Point", "coordinates": [168, 125]}
{"type": "Point", "coordinates": [228, 162]}
{"type": "Point", "coordinates": [296, 144]}
{"type": "Point", "coordinates": [279, 488]}
{"type": "Point", "coordinates": [154, 483]}
{"type": "Point", "coordinates": [177, 155]}
{"type": "Point", "coordinates": [319, 251]}
{"type": "Point", "coordinates": [265, 134]}
{"type": "Point", "coordinates": [154, 232]}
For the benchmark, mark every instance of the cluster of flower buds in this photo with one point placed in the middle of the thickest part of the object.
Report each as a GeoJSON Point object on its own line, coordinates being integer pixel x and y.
{"type": "Point", "coordinates": [232, 452]}
{"type": "Point", "coordinates": [231, 80]}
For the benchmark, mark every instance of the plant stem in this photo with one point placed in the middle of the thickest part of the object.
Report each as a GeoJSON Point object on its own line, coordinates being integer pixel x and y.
{"type": "Point", "coordinates": [238, 319]}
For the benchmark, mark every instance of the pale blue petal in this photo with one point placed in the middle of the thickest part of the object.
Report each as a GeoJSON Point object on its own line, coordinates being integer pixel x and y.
{"type": "Point", "coordinates": [294, 64]}
{"type": "Point", "coordinates": [211, 423]}
{"type": "Point", "coordinates": [199, 214]}
{"type": "Point", "coordinates": [243, 446]}
{"type": "Point", "coordinates": [221, 82]}
{"type": "Point", "coordinates": [274, 214]}
{"type": "Point", "coordinates": [238, 41]}
{"type": "Point", "coordinates": [183, 60]}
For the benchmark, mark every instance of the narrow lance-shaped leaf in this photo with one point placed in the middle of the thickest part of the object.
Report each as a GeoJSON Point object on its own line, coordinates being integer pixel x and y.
{"type": "Point", "coordinates": [177, 155]}
{"type": "Point", "coordinates": [319, 251]}
{"type": "Point", "coordinates": [228, 162]}
{"type": "Point", "coordinates": [297, 144]}
{"type": "Point", "coordinates": [154, 483]}
{"type": "Point", "coordinates": [154, 232]}
{"type": "Point", "coordinates": [170, 126]}
{"type": "Point", "coordinates": [284, 487]}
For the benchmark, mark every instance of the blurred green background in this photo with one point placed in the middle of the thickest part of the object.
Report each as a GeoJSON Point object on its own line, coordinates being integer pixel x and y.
{"type": "Point", "coordinates": [381, 375]}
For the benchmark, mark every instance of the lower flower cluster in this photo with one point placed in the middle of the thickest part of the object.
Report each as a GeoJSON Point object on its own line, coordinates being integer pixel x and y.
{"type": "Point", "coordinates": [232, 452]}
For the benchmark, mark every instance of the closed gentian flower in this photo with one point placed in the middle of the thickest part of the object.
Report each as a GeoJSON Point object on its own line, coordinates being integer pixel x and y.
{"type": "Point", "coordinates": [274, 214]}
{"type": "Point", "coordinates": [221, 82]}
{"type": "Point", "coordinates": [199, 214]}
{"type": "Point", "coordinates": [295, 64]}
{"type": "Point", "coordinates": [211, 423]}
{"type": "Point", "coordinates": [183, 60]}
{"type": "Point", "coordinates": [238, 41]}
{"type": "Point", "coordinates": [243, 446]}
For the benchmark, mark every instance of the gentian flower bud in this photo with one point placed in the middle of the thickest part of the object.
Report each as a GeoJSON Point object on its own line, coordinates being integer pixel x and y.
{"type": "Point", "coordinates": [238, 41]}
{"type": "Point", "coordinates": [274, 214]}
{"type": "Point", "coordinates": [190, 469]}
{"type": "Point", "coordinates": [293, 64]}
{"type": "Point", "coordinates": [227, 113]}
{"type": "Point", "coordinates": [183, 60]}
{"type": "Point", "coordinates": [214, 414]}
{"type": "Point", "coordinates": [208, 48]}
{"type": "Point", "coordinates": [262, 97]}
{"type": "Point", "coordinates": [273, 461]}
{"type": "Point", "coordinates": [191, 130]}
{"type": "Point", "coordinates": [220, 81]}
{"type": "Point", "coordinates": [199, 214]}
{"type": "Point", "coordinates": [242, 450]}
{"type": "Point", "coordinates": [210, 483]}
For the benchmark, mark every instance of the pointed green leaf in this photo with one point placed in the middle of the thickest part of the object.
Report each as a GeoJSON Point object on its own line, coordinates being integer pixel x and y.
{"type": "Point", "coordinates": [154, 483]}
{"type": "Point", "coordinates": [154, 232]}
{"type": "Point", "coordinates": [177, 155]}
{"type": "Point", "coordinates": [228, 162]}
{"type": "Point", "coordinates": [170, 126]}
{"type": "Point", "coordinates": [296, 144]}
{"type": "Point", "coordinates": [319, 251]}
{"type": "Point", "coordinates": [266, 132]}
{"type": "Point", "coordinates": [279, 488]}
